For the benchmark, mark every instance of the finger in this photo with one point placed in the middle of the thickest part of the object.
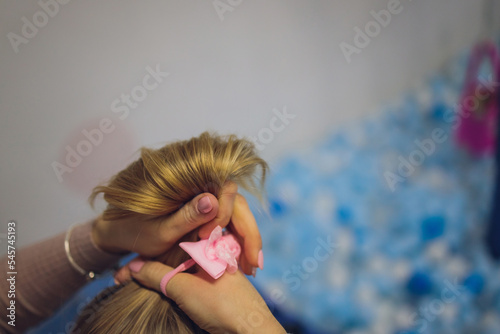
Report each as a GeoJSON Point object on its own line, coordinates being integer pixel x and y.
{"type": "Point", "coordinates": [200, 210]}
{"type": "Point", "coordinates": [246, 267]}
{"type": "Point", "coordinates": [148, 273]}
{"type": "Point", "coordinates": [151, 273]}
{"type": "Point", "coordinates": [226, 204]}
{"type": "Point", "coordinates": [245, 225]}
{"type": "Point", "coordinates": [122, 275]}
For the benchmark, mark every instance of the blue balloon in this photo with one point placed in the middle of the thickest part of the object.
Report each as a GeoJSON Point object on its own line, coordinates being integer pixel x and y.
{"type": "Point", "coordinates": [474, 283]}
{"type": "Point", "coordinates": [277, 207]}
{"type": "Point", "coordinates": [432, 227]}
{"type": "Point", "coordinates": [344, 214]}
{"type": "Point", "coordinates": [419, 284]}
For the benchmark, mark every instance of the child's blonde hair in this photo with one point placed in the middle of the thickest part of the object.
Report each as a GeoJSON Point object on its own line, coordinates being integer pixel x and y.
{"type": "Point", "coordinates": [155, 186]}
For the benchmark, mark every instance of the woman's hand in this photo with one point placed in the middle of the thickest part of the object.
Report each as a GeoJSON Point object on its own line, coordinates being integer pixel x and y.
{"type": "Point", "coordinates": [229, 304]}
{"type": "Point", "coordinates": [154, 237]}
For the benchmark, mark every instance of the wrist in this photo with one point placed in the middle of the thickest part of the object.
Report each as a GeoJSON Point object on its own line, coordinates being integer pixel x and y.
{"type": "Point", "coordinates": [266, 325]}
{"type": "Point", "coordinates": [273, 327]}
{"type": "Point", "coordinates": [101, 237]}
{"type": "Point", "coordinates": [81, 250]}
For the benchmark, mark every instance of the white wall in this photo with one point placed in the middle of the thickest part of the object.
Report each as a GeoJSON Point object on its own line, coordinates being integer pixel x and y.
{"type": "Point", "coordinates": [225, 75]}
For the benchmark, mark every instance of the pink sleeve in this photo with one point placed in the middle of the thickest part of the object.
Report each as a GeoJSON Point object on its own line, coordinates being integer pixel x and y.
{"type": "Point", "coordinates": [45, 278]}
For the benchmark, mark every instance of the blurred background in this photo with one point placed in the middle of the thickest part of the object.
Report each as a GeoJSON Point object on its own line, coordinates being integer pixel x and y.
{"type": "Point", "coordinates": [377, 212]}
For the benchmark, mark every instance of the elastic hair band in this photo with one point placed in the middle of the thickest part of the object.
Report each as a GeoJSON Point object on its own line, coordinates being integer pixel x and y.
{"type": "Point", "coordinates": [183, 266]}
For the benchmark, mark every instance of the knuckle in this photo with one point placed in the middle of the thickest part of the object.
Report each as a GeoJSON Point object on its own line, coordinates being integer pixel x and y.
{"type": "Point", "coordinates": [189, 215]}
{"type": "Point", "coordinates": [240, 200]}
{"type": "Point", "coordinates": [230, 187]}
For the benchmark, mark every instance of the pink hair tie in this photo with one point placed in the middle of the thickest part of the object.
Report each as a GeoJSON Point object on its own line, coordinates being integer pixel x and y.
{"type": "Point", "coordinates": [183, 266]}
{"type": "Point", "coordinates": [218, 253]}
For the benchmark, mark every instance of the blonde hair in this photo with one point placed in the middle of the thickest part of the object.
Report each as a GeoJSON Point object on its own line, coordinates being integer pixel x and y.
{"type": "Point", "coordinates": [154, 186]}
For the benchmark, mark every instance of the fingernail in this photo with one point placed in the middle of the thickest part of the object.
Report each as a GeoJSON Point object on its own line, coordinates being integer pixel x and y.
{"type": "Point", "coordinates": [136, 265]}
{"type": "Point", "coordinates": [204, 205]}
{"type": "Point", "coordinates": [116, 282]}
{"type": "Point", "coordinates": [261, 260]}
{"type": "Point", "coordinates": [254, 271]}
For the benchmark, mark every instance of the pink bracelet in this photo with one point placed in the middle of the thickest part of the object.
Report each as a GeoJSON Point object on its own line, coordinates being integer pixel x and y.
{"type": "Point", "coordinates": [183, 266]}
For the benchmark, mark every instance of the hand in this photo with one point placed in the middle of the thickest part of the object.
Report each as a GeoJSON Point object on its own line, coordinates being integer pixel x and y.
{"type": "Point", "coordinates": [229, 304]}
{"type": "Point", "coordinates": [153, 237]}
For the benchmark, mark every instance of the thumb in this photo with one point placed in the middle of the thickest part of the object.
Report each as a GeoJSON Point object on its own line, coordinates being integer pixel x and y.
{"type": "Point", "coordinates": [200, 210]}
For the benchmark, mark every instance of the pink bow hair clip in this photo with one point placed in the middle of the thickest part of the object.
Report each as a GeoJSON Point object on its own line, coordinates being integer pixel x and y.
{"type": "Point", "coordinates": [218, 253]}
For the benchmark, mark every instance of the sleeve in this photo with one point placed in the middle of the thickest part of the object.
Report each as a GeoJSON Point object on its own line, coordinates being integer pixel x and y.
{"type": "Point", "coordinates": [45, 279]}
